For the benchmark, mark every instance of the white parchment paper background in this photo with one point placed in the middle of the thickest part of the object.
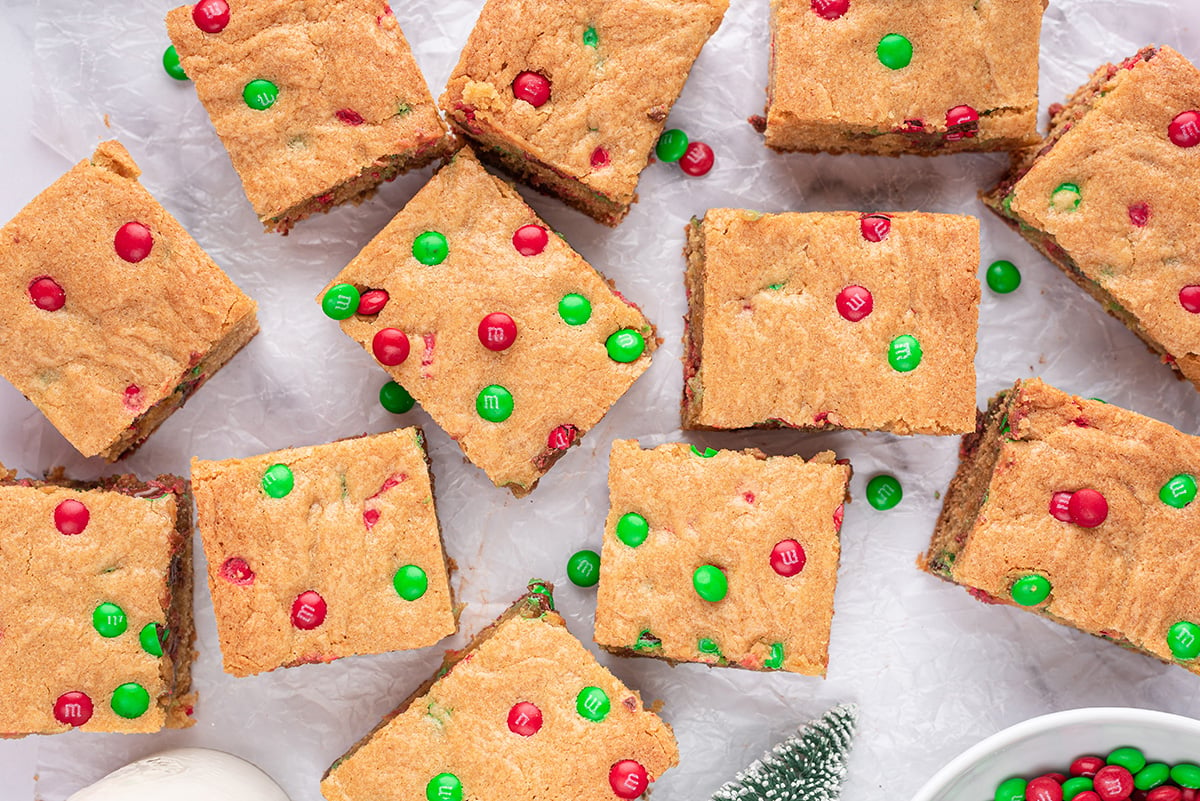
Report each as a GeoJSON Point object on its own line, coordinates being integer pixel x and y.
{"type": "Point", "coordinates": [933, 670]}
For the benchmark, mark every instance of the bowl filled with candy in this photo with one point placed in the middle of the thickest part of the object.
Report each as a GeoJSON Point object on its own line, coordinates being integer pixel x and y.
{"type": "Point", "coordinates": [1093, 754]}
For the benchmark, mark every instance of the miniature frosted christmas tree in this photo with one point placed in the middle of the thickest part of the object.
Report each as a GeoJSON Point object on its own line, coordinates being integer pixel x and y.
{"type": "Point", "coordinates": [808, 766]}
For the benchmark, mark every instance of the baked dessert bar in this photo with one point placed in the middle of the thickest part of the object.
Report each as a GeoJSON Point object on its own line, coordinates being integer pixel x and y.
{"type": "Point", "coordinates": [722, 557]}
{"type": "Point", "coordinates": [317, 103]}
{"type": "Point", "coordinates": [1107, 198]}
{"type": "Point", "coordinates": [525, 689]}
{"type": "Point", "coordinates": [503, 333]}
{"type": "Point", "coordinates": [831, 320]}
{"type": "Point", "coordinates": [571, 96]}
{"type": "Point", "coordinates": [323, 552]}
{"type": "Point", "coordinates": [1081, 512]}
{"type": "Point", "coordinates": [112, 315]}
{"type": "Point", "coordinates": [888, 77]}
{"type": "Point", "coordinates": [96, 625]}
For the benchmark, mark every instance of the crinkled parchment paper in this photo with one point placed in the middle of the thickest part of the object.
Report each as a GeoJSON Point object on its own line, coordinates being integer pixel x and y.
{"type": "Point", "coordinates": [932, 669]}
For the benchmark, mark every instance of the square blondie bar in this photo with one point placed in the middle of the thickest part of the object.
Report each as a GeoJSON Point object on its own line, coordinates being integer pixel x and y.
{"type": "Point", "coordinates": [831, 320]}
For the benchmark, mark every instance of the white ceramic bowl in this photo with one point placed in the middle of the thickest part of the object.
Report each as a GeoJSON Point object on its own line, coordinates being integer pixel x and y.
{"type": "Point", "coordinates": [1051, 742]}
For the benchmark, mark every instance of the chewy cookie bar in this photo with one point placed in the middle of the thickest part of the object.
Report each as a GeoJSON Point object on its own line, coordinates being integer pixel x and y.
{"type": "Point", "coordinates": [525, 689]}
{"type": "Point", "coordinates": [831, 320]}
{"type": "Point", "coordinates": [722, 557]}
{"type": "Point", "coordinates": [518, 347]}
{"type": "Point", "coordinates": [96, 605]}
{"type": "Point", "coordinates": [888, 77]}
{"type": "Point", "coordinates": [572, 96]}
{"type": "Point", "coordinates": [111, 315]}
{"type": "Point", "coordinates": [1108, 198]}
{"type": "Point", "coordinates": [317, 103]}
{"type": "Point", "coordinates": [323, 552]}
{"type": "Point", "coordinates": [1081, 512]}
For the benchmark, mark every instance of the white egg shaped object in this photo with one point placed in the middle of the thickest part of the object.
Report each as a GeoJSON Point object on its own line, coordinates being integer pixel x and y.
{"type": "Point", "coordinates": [185, 774]}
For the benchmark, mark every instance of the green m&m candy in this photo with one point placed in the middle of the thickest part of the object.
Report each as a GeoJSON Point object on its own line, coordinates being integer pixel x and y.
{"type": "Point", "coordinates": [278, 480]}
{"type": "Point", "coordinates": [395, 398]}
{"type": "Point", "coordinates": [583, 568]}
{"type": "Point", "coordinates": [1003, 277]}
{"type": "Point", "coordinates": [109, 620]}
{"type": "Point", "coordinates": [894, 51]}
{"type": "Point", "coordinates": [170, 62]}
{"type": "Point", "coordinates": [1066, 197]}
{"type": "Point", "coordinates": [707, 645]}
{"type": "Point", "coordinates": [592, 703]}
{"type": "Point", "coordinates": [574, 309]}
{"type": "Point", "coordinates": [1074, 786]}
{"type": "Point", "coordinates": [494, 403]}
{"type": "Point", "coordinates": [591, 38]}
{"type": "Point", "coordinates": [1151, 776]}
{"type": "Point", "coordinates": [710, 583]}
{"type": "Point", "coordinates": [130, 700]}
{"type": "Point", "coordinates": [1030, 590]}
{"type": "Point", "coordinates": [1186, 774]}
{"type": "Point", "coordinates": [260, 94]}
{"type": "Point", "coordinates": [1179, 491]}
{"type": "Point", "coordinates": [775, 660]}
{"type": "Point", "coordinates": [671, 145]}
{"type": "Point", "coordinates": [632, 529]}
{"type": "Point", "coordinates": [410, 582]}
{"type": "Point", "coordinates": [625, 345]}
{"type": "Point", "coordinates": [340, 302]}
{"type": "Point", "coordinates": [430, 248]}
{"type": "Point", "coordinates": [444, 787]}
{"type": "Point", "coordinates": [884, 492]}
{"type": "Point", "coordinates": [151, 640]}
{"type": "Point", "coordinates": [1011, 789]}
{"type": "Point", "coordinates": [904, 353]}
{"type": "Point", "coordinates": [1129, 758]}
{"type": "Point", "coordinates": [1183, 638]}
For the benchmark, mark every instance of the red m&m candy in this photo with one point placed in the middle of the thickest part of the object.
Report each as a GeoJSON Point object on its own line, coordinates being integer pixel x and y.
{"type": "Point", "coordinates": [349, 116]}
{"type": "Point", "coordinates": [830, 9]}
{"type": "Point", "coordinates": [73, 708]}
{"type": "Point", "coordinates": [133, 242]}
{"type": "Point", "coordinates": [497, 331]}
{"type": "Point", "coordinates": [964, 119]}
{"type": "Point", "coordinates": [561, 438]}
{"type": "Point", "coordinates": [697, 160]}
{"type": "Point", "coordinates": [531, 87]}
{"type": "Point", "coordinates": [1059, 509]}
{"type": "Point", "coordinates": [601, 159]}
{"type": "Point", "coordinates": [1088, 508]}
{"type": "Point", "coordinates": [1189, 298]}
{"type": "Point", "coordinates": [372, 301]}
{"type": "Point", "coordinates": [1043, 788]}
{"type": "Point", "coordinates": [236, 570]}
{"type": "Point", "coordinates": [71, 517]}
{"type": "Point", "coordinates": [787, 558]}
{"type": "Point", "coordinates": [524, 719]}
{"type": "Point", "coordinates": [1085, 765]}
{"type": "Point", "coordinates": [875, 227]}
{"type": "Point", "coordinates": [1184, 130]}
{"type": "Point", "coordinates": [628, 778]}
{"type": "Point", "coordinates": [46, 294]}
{"type": "Point", "coordinates": [530, 240]}
{"type": "Point", "coordinates": [390, 346]}
{"type": "Point", "coordinates": [308, 610]}
{"type": "Point", "coordinates": [854, 303]}
{"type": "Point", "coordinates": [211, 16]}
{"type": "Point", "coordinates": [1113, 783]}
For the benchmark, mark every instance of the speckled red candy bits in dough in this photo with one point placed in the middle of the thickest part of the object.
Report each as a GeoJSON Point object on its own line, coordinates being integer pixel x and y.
{"type": "Point", "coordinates": [764, 529]}
{"type": "Point", "coordinates": [902, 76]}
{"type": "Point", "coordinates": [524, 688]}
{"type": "Point", "coordinates": [110, 314]}
{"type": "Point", "coordinates": [1110, 198]}
{"type": "Point", "coordinates": [317, 103]}
{"type": "Point", "coordinates": [571, 96]}
{"type": "Point", "coordinates": [502, 361]}
{"type": "Point", "coordinates": [831, 320]}
{"type": "Point", "coordinates": [95, 574]}
{"type": "Point", "coordinates": [1082, 512]}
{"type": "Point", "coordinates": [363, 575]}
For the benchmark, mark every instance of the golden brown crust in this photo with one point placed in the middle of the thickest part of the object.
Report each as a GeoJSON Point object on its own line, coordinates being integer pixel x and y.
{"type": "Point", "coordinates": [104, 368]}
{"type": "Point", "coordinates": [135, 552]}
{"type": "Point", "coordinates": [1112, 143]}
{"type": "Point", "coordinates": [558, 374]}
{"type": "Point", "coordinates": [360, 510]}
{"type": "Point", "coordinates": [830, 92]}
{"type": "Point", "coordinates": [767, 347]}
{"type": "Point", "coordinates": [615, 95]}
{"type": "Point", "coordinates": [728, 510]}
{"type": "Point", "coordinates": [458, 724]}
{"type": "Point", "coordinates": [353, 108]}
{"type": "Point", "coordinates": [1128, 579]}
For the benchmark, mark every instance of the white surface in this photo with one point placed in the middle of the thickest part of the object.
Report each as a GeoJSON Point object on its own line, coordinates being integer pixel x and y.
{"type": "Point", "coordinates": [931, 669]}
{"type": "Point", "coordinates": [184, 774]}
{"type": "Point", "coordinates": [1050, 743]}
